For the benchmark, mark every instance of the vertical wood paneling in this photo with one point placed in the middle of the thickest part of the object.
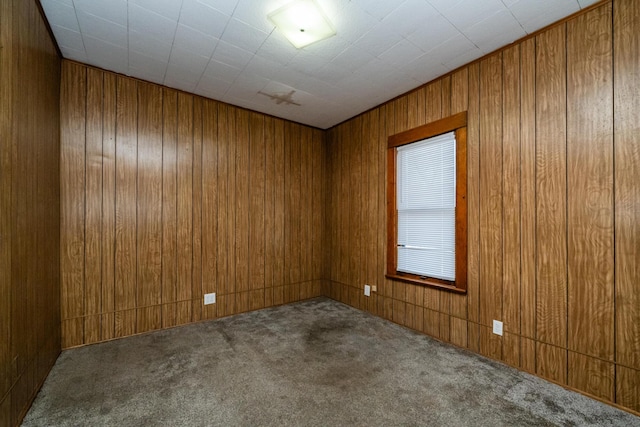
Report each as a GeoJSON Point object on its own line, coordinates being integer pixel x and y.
{"type": "Point", "coordinates": [126, 193]}
{"type": "Point", "coordinates": [257, 211]}
{"type": "Point", "coordinates": [473, 196]}
{"type": "Point", "coordinates": [196, 284]}
{"type": "Point", "coordinates": [551, 189]}
{"type": "Point", "coordinates": [627, 390]}
{"type": "Point", "coordinates": [31, 180]}
{"type": "Point", "coordinates": [590, 187]}
{"type": "Point", "coordinates": [511, 189]}
{"type": "Point", "coordinates": [184, 198]}
{"type": "Point", "coordinates": [209, 201]}
{"type": "Point", "coordinates": [627, 197]}
{"type": "Point", "coordinates": [592, 375]}
{"type": "Point", "coordinates": [528, 189]}
{"type": "Point", "coordinates": [224, 254]}
{"type": "Point", "coordinates": [269, 211]}
{"type": "Point", "coordinates": [169, 207]}
{"type": "Point", "coordinates": [72, 182]}
{"type": "Point", "coordinates": [149, 205]}
{"type": "Point", "coordinates": [279, 215]}
{"type": "Point", "coordinates": [491, 217]}
{"type": "Point", "coordinates": [108, 226]}
{"type": "Point", "coordinates": [93, 204]}
{"type": "Point", "coordinates": [242, 208]}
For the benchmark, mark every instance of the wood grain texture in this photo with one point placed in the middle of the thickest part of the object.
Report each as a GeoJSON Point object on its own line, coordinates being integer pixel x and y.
{"type": "Point", "coordinates": [31, 181]}
{"type": "Point", "coordinates": [108, 225]}
{"type": "Point", "coordinates": [626, 21]}
{"type": "Point", "coordinates": [511, 200]}
{"type": "Point", "coordinates": [591, 375]}
{"type": "Point", "coordinates": [551, 188]}
{"type": "Point", "coordinates": [210, 210]}
{"type": "Point", "coordinates": [93, 198]}
{"type": "Point", "coordinates": [491, 182]}
{"type": "Point", "coordinates": [169, 206]}
{"type": "Point", "coordinates": [72, 177]}
{"type": "Point", "coordinates": [257, 205]}
{"type": "Point", "coordinates": [627, 390]}
{"type": "Point", "coordinates": [149, 199]}
{"type": "Point", "coordinates": [590, 189]}
{"type": "Point", "coordinates": [196, 280]}
{"type": "Point", "coordinates": [528, 189]}
{"type": "Point", "coordinates": [184, 197]}
{"type": "Point", "coordinates": [176, 186]}
{"type": "Point", "coordinates": [473, 194]}
{"type": "Point", "coordinates": [126, 192]}
{"type": "Point", "coordinates": [551, 362]}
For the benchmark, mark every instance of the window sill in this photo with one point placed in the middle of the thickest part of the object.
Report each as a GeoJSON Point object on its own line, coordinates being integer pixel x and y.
{"type": "Point", "coordinates": [425, 282]}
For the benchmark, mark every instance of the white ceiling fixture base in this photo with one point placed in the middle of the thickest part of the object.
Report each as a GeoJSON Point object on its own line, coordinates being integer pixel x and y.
{"type": "Point", "coordinates": [302, 22]}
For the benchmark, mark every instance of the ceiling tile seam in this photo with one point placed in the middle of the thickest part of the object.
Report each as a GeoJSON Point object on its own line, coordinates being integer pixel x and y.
{"type": "Point", "coordinates": [516, 18]}
{"type": "Point", "coordinates": [75, 13]}
{"type": "Point", "coordinates": [173, 41]}
{"type": "Point", "coordinates": [216, 48]}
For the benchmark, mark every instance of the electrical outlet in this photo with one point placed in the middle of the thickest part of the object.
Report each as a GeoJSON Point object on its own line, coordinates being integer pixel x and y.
{"type": "Point", "coordinates": [209, 298]}
{"type": "Point", "coordinates": [367, 290]}
{"type": "Point", "coordinates": [497, 327]}
{"type": "Point", "coordinates": [374, 288]}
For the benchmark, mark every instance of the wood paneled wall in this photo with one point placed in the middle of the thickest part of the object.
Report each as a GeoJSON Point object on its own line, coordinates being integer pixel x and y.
{"type": "Point", "coordinates": [554, 224]}
{"type": "Point", "coordinates": [29, 206]}
{"type": "Point", "coordinates": [167, 196]}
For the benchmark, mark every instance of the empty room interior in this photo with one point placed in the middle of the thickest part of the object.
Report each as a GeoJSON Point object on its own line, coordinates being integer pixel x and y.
{"type": "Point", "coordinates": [422, 212]}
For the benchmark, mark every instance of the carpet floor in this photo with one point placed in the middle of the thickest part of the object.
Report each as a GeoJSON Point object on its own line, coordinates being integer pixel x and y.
{"type": "Point", "coordinates": [312, 363]}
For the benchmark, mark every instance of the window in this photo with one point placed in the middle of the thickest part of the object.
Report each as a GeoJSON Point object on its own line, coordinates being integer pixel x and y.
{"type": "Point", "coordinates": [427, 211]}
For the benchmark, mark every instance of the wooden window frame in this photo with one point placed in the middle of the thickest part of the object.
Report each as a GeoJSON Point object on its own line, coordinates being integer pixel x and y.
{"type": "Point", "coordinates": [458, 124]}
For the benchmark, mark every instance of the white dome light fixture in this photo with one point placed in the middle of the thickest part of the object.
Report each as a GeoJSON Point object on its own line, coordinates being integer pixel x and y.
{"type": "Point", "coordinates": [302, 23]}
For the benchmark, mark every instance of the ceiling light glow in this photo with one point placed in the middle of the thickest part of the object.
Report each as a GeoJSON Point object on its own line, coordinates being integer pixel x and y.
{"type": "Point", "coordinates": [302, 23]}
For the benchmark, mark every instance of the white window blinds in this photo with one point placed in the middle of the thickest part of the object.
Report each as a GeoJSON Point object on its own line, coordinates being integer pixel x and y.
{"type": "Point", "coordinates": [426, 203]}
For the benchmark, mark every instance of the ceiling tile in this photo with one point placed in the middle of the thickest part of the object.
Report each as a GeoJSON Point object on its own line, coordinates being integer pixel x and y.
{"type": "Point", "coordinates": [74, 55]}
{"type": "Point", "coordinates": [409, 16]}
{"type": "Point", "coordinates": [94, 26]}
{"type": "Point", "coordinates": [232, 55]}
{"type": "Point", "coordinates": [192, 40]}
{"type": "Point", "coordinates": [243, 36]}
{"type": "Point", "coordinates": [481, 34]}
{"type": "Point", "coordinates": [167, 8]}
{"type": "Point", "coordinates": [61, 14]}
{"type": "Point", "coordinates": [225, 6]}
{"type": "Point", "coordinates": [212, 87]}
{"type": "Point", "coordinates": [106, 55]}
{"type": "Point", "coordinates": [378, 39]}
{"type": "Point", "coordinates": [351, 23]}
{"type": "Point", "coordinates": [277, 48]}
{"type": "Point", "coordinates": [375, 8]}
{"type": "Point", "coordinates": [533, 15]}
{"type": "Point", "coordinates": [142, 65]}
{"type": "Point", "coordinates": [223, 72]}
{"type": "Point", "coordinates": [145, 44]}
{"type": "Point", "coordinates": [111, 10]}
{"type": "Point", "coordinates": [151, 24]}
{"type": "Point", "coordinates": [188, 60]}
{"type": "Point", "coordinates": [68, 38]}
{"type": "Point", "coordinates": [205, 19]}
{"type": "Point", "coordinates": [401, 53]}
{"type": "Point", "coordinates": [186, 75]}
{"type": "Point", "coordinates": [255, 15]}
{"type": "Point", "coordinates": [352, 58]}
{"type": "Point", "coordinates": [439, 30]}
{"type": "Point", "coordinates": [465, 13]}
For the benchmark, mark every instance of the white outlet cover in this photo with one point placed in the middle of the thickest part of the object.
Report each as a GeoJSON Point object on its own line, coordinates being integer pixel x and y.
{"type": "Point", "coordinates": [367, 290]}
{"type": "Point", "coordinates": [497, 327]}
{"type": "Point", "coordinates": [209, 298]}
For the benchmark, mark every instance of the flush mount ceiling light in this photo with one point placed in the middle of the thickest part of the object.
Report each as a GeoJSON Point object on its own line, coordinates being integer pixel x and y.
{"type": "Point", "coordinates": [302, 23]}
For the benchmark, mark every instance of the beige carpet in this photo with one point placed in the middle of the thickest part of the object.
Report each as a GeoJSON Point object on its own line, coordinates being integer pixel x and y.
{"type": "Point", "coordinates": [313, 363]}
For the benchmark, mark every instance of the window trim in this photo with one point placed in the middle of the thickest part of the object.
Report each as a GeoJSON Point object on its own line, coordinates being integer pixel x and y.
{"type": "Point", "coordinates": [458, 124]}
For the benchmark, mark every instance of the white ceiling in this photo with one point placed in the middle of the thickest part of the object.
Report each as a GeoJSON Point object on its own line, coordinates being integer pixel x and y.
{"type": "Point", "coordinates": [227, 49]}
